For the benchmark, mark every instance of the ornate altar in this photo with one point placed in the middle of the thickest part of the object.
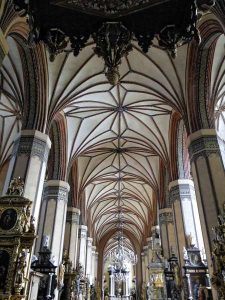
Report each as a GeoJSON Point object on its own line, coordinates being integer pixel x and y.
{"type": "Point", "coordinates": [196, 278]}
{"type": "Point", "coordinates": [218, 278]}
{"type": "Point", "coordinates": [156, 286]}
{"type": "Point", "coordinates": [17, 235]}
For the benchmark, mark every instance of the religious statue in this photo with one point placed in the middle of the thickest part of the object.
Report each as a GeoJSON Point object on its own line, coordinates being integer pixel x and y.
{"type": "Point", "coordinates": [32, 225]}
{"type": "Point", "coordinates": [189, 240]}
{"type": "Point", "coordinates": [20, 273]}
{"type": "Point", "coordinates": [61, 276]}
{"type": "Point", "coordinates": [16, 187]}
{"type": "Point", "coordinates": [185, 253]}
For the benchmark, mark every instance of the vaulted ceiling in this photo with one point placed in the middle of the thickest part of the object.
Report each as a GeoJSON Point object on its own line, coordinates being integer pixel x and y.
{"type": "Point", "coordinates": [118, 136]}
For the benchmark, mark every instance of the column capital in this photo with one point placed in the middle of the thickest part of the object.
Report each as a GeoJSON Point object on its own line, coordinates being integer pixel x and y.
{"type": "Point", "coordinates": [73, 210]}
{"type": "Point", "coordinates": [73, 215]}
{"type": "Point", "coordinates": [165, 215]}
{"type": "Point", "coordinates": [180, 189]}
{"type": "Point", "coordinates": [32, 143]}
{"type": "Point", "coordinates": [202, 143]}
{"type": "Point", "coordinates": [82, 231]}
{"type": "Point", "coordinates": [89, 241]}
{"type": "Point", "coordinates": [57, 183]}
{"type": "Point", "coordinates": [56, 189]}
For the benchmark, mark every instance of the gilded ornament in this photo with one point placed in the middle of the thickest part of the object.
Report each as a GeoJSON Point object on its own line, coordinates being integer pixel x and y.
{"type": "Point", "coordinates": [16, 187]}
{"type": "Point", "coordinates": [218, 278]}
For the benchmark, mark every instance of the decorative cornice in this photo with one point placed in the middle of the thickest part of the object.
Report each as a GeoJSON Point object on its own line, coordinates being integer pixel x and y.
{"type": "Point", "coordinates": [202, 144]}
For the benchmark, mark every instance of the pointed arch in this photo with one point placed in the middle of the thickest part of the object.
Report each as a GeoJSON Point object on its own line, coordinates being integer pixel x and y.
{"type": "Point", "coordinates": [199, 69]}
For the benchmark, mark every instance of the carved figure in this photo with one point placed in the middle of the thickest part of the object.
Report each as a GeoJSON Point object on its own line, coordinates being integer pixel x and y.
{"type": "Point", "coordinates": [32, 226]}
{"type": "Point", "coordinates": [189, 240]}
{"type": "Point", "coordinates": [61, 276]}
{"type": "Point", "coordinates": [16, 187]}
{"type": "Point", "coordinates": [20, 273]}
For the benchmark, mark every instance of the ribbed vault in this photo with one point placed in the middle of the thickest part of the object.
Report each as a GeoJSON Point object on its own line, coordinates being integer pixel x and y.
{"type": "Point", "coordinates": [117, 136]}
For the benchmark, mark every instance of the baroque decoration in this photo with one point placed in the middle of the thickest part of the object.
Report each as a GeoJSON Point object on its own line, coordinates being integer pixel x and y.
{"type": "Point", "coordinates": [112, 25]}
{"type": "Point", "coordinates": [218, 279]}
{"type": "Point", "coordinates": [17, 234]}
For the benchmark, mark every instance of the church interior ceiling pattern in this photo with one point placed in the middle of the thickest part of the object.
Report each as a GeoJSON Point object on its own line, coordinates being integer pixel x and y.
{"type": "Point", "coordinates": [117, 135]}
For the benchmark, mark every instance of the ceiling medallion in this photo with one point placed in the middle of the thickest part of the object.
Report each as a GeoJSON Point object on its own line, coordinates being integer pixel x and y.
{"type": "Point", "coordinates": [63, 28]}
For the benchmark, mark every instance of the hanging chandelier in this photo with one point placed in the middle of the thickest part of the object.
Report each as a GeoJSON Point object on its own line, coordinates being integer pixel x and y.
{"type": "Point", "coordinates": [120, 257]}
{"type": "Point", "coordinates": [67, 25]}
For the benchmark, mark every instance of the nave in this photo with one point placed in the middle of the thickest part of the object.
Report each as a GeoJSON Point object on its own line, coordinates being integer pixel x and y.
{"type": "Point", "coordinates": [112, 136]}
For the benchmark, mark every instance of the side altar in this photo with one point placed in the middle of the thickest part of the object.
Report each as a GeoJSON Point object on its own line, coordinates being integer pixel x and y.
{"type": "Point", "coordinates": [17, 234]}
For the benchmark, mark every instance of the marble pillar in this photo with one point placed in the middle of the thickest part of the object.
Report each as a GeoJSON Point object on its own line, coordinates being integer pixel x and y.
{"type": "Point", "coordinates": [185, 213]}
{"type": "Point", "coordinates": [82, 245]}
{"type": "Point", "coordinates": [167, 232]}
{"type": "Point", "coordinates": [209, 179]}
{"type": "Point", "coordinates": [4, 49]}
{"type": "Point", "coordinates": [53, 217]}
{"type": "Point", "coordinates": [89, 258]}
{"type": "Point", "coordinates": [28, 160]}
{"type": "Point", "coordinates": [71, 234]}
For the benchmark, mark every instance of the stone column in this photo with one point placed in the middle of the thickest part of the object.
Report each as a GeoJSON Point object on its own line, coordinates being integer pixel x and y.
{"type": "Point", "coordinates": [126, 286]}
{"type": "Point", "coordinates": [149, 244]}
{"type": "Point", "coordinates": [89, 258]}
{"type": "Point", "coordinates": [4, 49]}
{"type": "Point", "coordinates": [186, 217]}
{"type": "Point", "coordinates": [96, 265]}
{"type": "Point", "coordinates": [167, 232]}
{"type": "Point", "coordinates": [209, 178]}
{"type": "Point", "coordinates": [82, 245]}
{"type": "Point", "coordinates": [146, 263]}
{"type": "Point", "coordinates": [53, 217]}
{"type": "Point", "coordinates": [93, 252]}
{"type": "Point", "coordinates": [111, 284]}
{"type": "Point", "coordinates": [71, 234]}
{"type": "Point", "coordinates": [143, 267]}
{"type": "Point", "coordinates": [28, 160]}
